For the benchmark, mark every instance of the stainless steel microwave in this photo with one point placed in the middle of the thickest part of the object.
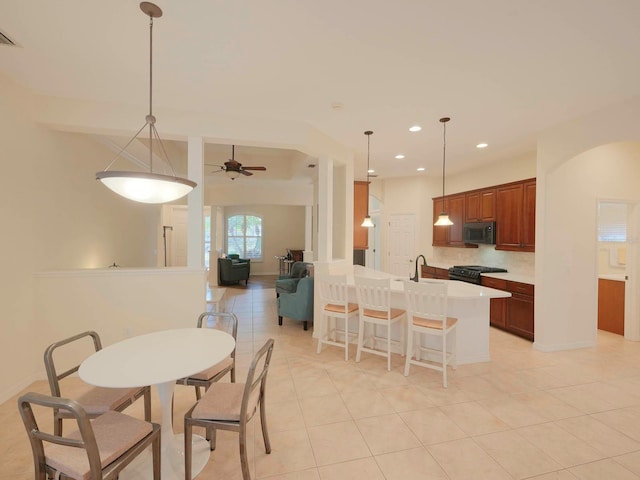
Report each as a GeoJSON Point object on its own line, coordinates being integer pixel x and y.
{"type": "Point", "coordinates": [479, 232]}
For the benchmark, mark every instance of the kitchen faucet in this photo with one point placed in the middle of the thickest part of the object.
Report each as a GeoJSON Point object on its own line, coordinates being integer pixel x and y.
{"type": "Point", "coordinates": [416, 277]}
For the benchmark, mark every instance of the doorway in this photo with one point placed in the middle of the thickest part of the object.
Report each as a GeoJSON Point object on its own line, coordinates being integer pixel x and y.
{"type": "Point", "coordinates": [173, 251]}
{"type": "Point", "coordinates": [401, 244]}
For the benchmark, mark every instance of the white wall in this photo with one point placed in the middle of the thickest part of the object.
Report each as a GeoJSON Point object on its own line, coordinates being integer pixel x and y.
{"type": "Point", "coordinates": [611, 172]}
{"type": "Point", "coordinates": [282, 228]}
{"type": "Point", "coordinates": [566, 263]}
{"type": "Point", "coordinates": [55, 215]}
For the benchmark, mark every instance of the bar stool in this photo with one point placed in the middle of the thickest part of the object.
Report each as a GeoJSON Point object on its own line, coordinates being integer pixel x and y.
{"type": "Point", "coordinates": [427, 311]}
{"type": "Point", "coordinates": [374, 301]}
{"type": "Point", "coordinates": [335, 307]}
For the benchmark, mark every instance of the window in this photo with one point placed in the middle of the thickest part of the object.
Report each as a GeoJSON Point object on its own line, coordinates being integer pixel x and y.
{"type": "Point", "coordinates": [612, 222]}
{"type": "Point", "coordinates": [244, 236]}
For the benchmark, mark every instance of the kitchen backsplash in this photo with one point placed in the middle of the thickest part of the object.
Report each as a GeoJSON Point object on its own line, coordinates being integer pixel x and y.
{"type": "Point", "coordinates": [488, 256]}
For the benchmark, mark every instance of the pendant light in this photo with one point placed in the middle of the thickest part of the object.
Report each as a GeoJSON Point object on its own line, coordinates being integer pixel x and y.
{"type": "Point", "coordinates": [147, 187]}
{"type": "Point", "coordinates": [443, 219]}
{"type": "Point", "coordinates": [367, 220]}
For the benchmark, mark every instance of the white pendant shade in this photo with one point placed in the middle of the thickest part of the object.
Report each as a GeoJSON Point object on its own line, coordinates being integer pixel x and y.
{"type": "Point", "coordinates": [146, 187]}
{"type": "Point", "coordinates": [443, 220]}
{"type": "Point", "coordinates": [367, 222]}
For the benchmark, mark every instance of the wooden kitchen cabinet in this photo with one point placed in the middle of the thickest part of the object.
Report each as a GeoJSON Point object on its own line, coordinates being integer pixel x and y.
{"type": "Point", "coordinates": [440, 234]}
{"type": "Point", "coordinates": [360, 203]}
{"type": "Point", "coordinates": [520, 311]}
{"type": "Point", "coordinates": [434, 272]}
{"type": "Point", "coordinates": [516, 313]}
{"type": "Point", "coordinates": [480, 205]}
{"type": "Point", "coordinates": [516, 216]}
{"type": "Point", "coordinates": [456, 214]}
{"type": "Point", "coordinates": [611, 305]}
{"type": "Point", "coordinates": [451, 236]}
{"type": "Point", "coordinates": [498, 312]}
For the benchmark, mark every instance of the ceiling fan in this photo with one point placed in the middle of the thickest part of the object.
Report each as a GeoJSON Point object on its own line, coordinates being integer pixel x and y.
{"type": "Point", "coordinates": [234, 169]}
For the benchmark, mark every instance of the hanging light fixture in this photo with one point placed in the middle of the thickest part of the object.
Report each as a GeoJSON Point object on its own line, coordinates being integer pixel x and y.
{"type": "Point", "coordinates": [147, 187]}
{"type": "Point", "coordinates": [443, 218]}
{"type": "Point", "coordinates": [367, 220]}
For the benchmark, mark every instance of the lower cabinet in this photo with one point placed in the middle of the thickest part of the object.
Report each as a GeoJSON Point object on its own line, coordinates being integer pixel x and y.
{"type": "Point", "coordinates": [514, 314]}
{"type": "Point", "coordinates": [434, 273]}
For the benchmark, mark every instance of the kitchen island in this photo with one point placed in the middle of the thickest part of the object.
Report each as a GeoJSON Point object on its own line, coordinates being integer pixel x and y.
{"type": "Point", "coordinates": [467, 302]}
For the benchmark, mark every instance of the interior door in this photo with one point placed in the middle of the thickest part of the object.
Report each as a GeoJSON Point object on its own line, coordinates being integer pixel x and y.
{"type": "Point", "coordinates": [401, 244]}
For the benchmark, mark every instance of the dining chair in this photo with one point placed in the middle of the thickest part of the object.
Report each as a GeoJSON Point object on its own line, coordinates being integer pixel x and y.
{"type": "Point", "coordinates": [427, 311]}
{"type": "Point", "coordinates": [96, 400]}
{"type": "Point", "coordinates": [335, 307]}
{"type": "Point", "coordinates": [223, 321]}
{"type": "Point", "coordinates": [230, 406]}
{"type": "Point", "coordinates": [374, 304]}
{"type": "Point", "coordinates": [98, 449]}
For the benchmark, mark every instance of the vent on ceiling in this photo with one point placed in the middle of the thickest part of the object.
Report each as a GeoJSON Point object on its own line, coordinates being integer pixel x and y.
{"type": "Point", "coordinates": [4, 40]}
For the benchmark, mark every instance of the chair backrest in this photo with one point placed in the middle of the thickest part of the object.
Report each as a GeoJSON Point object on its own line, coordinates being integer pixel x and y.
{"type": "Point", "coordinates": [37, 438]}
{"type": "Point", "coordinates": [256, 381]}
{"type": "Point", "coordinates": [52, 375]}
{"type": "Point", "coordinates": [333, 289]}
{"type": "Point", "coordinates": [426, 299]}
{"type": "Point", "coordinates": [298, 269]}
{"type": "Point", "coordinates": [373, 293]}
{"type": "Point", "coordinates": [225, 321]}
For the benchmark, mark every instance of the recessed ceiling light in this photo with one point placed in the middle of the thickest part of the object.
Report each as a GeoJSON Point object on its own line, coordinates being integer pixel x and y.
{"type": "Point", "coordinates": [400, 156]}
{"type": "Point", "coordinates": [482, 145]}
{"type": "Point", "coordinates": [371, 170]}
{"type": "Point", "coordinates": [415, 128]}
{"type": "Point", "coordinates": [420, 169]}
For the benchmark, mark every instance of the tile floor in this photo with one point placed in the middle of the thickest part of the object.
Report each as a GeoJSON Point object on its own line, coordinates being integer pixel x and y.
{"type": "Point", "coordinates": [526, 414]}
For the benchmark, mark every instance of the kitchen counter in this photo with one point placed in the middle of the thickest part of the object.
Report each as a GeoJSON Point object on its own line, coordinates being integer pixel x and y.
{"type": "Point", "coordinates": [467, 302]}
{"type": "Point", "coordinates": [620, 277]}
{"type": "Point", "coordinates": [514, 277]}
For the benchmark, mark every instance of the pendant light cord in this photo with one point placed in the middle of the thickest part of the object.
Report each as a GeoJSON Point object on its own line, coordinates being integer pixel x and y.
{"type": "Point", "coordinates": [150, 119]}
{"type": "Point", "coordinates": [368, 133]}
{"type": "Point", "coordinates": [444, 151]}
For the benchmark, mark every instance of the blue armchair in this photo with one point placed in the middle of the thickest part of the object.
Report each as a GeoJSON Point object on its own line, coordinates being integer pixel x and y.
{"type": "Point", "coordinates": [297, 305]}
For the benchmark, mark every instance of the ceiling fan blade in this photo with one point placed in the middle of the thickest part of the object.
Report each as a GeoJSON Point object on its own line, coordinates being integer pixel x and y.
{"type": "Point", "coordinates": [244, 172]}
{"type": "Point", "coordinates": [262, 169]}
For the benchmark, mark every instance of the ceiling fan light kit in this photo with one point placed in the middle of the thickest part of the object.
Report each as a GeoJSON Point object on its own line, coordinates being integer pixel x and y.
{"type": "Point", "coordinates": [147, 187]}
{"type": "Point", "coordinates": [234, 169]}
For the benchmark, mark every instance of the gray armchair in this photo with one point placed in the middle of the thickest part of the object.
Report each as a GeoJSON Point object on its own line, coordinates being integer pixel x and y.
{"type": "Point", "coordinates": [289, 282]}
{"type": "Point", "coordinates": [232, 271]}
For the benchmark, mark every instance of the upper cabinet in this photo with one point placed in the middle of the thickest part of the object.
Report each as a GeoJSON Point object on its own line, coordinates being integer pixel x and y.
{"type": "Point", "coordinates": [360, 201]}
{"type": "Point", "coordinates": [454, 206]}
{"type": "Point", "coordinates": [480, 205]}
{"type": "Point", "coordinates": [516, 216]}
{"type": "Point", "coordinates": [512, 206]}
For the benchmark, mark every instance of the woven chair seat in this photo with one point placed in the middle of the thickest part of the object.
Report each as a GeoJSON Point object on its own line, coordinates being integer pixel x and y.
{"type": "Point", "coordinates": [211, 372]}
{"type": "Point", "coordinates": [98, 400]}
{"type": "Point", "coordinates": [436, 324]}
{"type": "Point", "coordinates": [223, 402]}
{"type": "Point", "coordinates": [115, 434]}
{"type": "Point", "coordinates": [351, 307]}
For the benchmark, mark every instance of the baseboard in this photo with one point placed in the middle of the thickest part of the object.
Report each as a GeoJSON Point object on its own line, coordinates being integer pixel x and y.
{"type": "Point", "coordinates": [562, 346]}
{"type": "Point", "coordinates": [12, 390]}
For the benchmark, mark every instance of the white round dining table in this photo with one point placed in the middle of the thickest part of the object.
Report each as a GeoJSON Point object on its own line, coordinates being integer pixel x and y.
{"type": "Point", "coordinates": [159, 359]}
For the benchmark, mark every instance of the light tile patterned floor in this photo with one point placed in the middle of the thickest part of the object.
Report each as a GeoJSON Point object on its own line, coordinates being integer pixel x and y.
{"type": "Point", "coordinates": [527, 414]}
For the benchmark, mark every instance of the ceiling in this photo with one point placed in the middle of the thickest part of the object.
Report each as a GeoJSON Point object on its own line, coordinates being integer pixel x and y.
{"type": "Point", "coordinates": [502, 69]}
